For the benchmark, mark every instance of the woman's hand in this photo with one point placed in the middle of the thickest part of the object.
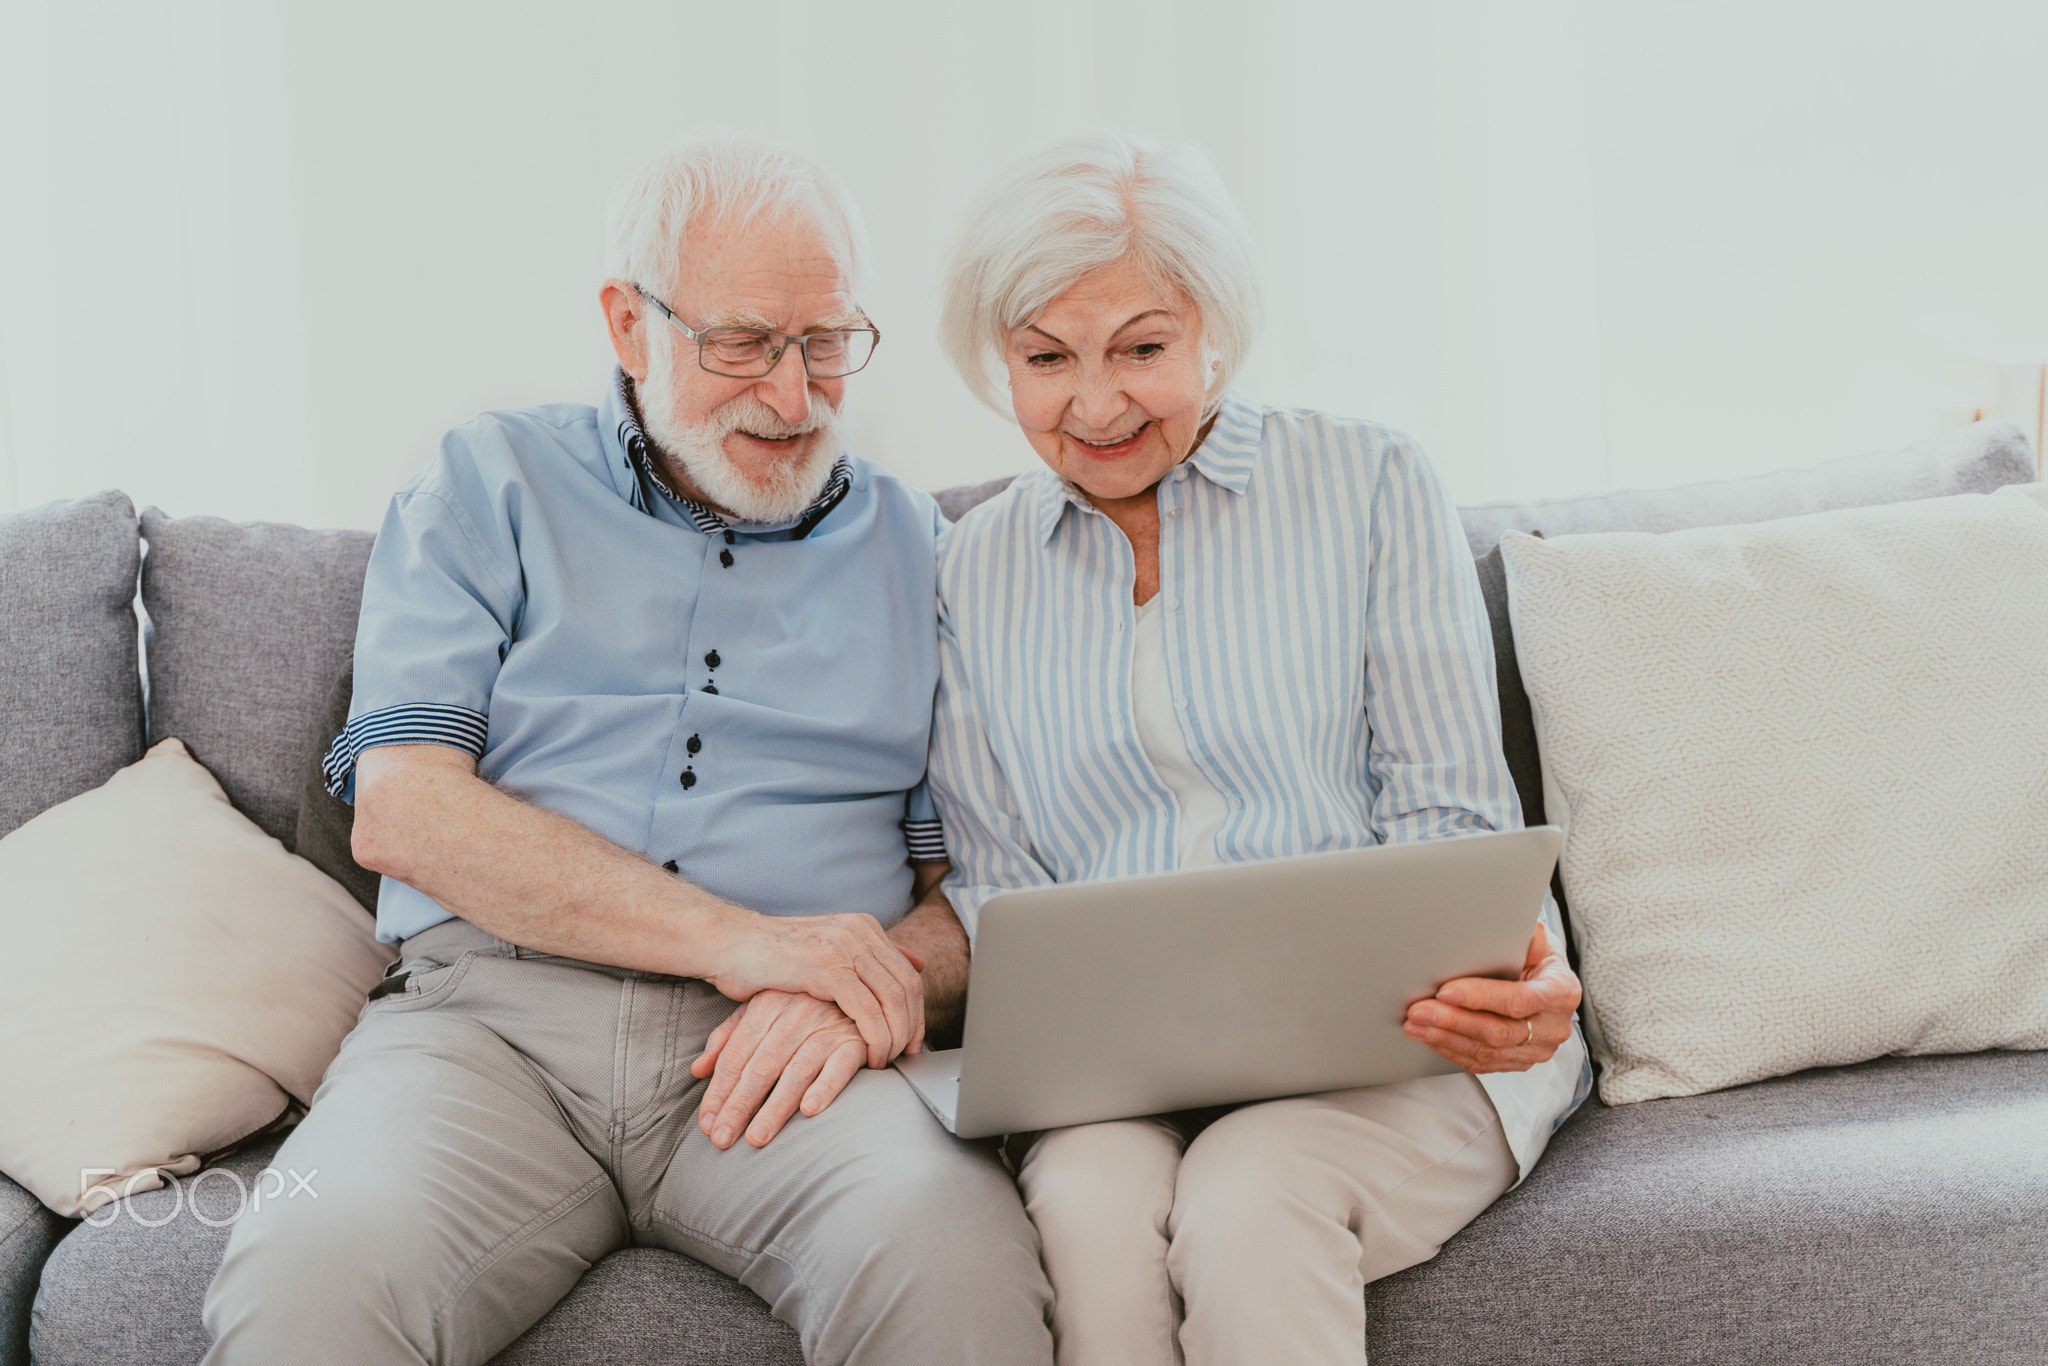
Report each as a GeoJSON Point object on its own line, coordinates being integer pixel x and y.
{"type": "Point", "coordinates": [1485, 1025]}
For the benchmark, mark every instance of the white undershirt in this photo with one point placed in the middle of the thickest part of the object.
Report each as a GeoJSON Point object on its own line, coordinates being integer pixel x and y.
{"type": "Point", "coordinates": [1202, 808]}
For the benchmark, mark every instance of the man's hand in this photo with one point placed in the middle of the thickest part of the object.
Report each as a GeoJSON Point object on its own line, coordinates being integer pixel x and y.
{"type": "Point", "coordinates": [1485, 1025]}
{"type": "Point", "coordinates": [779, 1053]}
{"type": "Point", "coordinates": [846, 960]}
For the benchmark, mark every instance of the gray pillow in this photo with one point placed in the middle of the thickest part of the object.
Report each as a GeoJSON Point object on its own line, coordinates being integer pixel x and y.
{"type": "Point", "coordinates": [250, 624]}
{"type": "Point", "coordinates": [29, 1231]}
{"type": "Point", "coordinates": [326, 823]}
{"type": "Point", "coordinates": [70, 681]}
{"type": "Point", "coordinates": [1974, 459]}
{"type": "Point", "coordinates": [955, 501]}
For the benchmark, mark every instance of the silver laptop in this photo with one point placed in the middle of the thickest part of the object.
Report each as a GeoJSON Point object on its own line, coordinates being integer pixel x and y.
{"type": "Point", "coordinates": [1145, 995]}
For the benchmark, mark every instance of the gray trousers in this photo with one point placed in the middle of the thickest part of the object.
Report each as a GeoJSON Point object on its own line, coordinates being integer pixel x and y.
{"type": "Point", "coordinates": [509, 1118]}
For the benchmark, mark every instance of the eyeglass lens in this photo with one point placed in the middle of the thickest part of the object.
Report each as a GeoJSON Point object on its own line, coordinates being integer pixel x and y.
{"type": "Point", "coordinates": [747, 354]}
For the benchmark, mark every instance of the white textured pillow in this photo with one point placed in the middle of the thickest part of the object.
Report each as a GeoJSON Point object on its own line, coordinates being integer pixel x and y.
{"type": "Point", "coordinates": [1804, 771]}
{"type": "Point", "coordinates": [178, 980]}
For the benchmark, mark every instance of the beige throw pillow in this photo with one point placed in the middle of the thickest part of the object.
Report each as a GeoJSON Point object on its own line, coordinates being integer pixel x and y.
{"type": "Point", "coordinates": [1803, 767]}
{"type": "Point", "coordinates": [179, 979]}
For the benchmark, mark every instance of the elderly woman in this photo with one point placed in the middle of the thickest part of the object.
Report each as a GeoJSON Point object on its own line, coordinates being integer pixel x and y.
{"type": "Point", "coordinates": [1210, 632]}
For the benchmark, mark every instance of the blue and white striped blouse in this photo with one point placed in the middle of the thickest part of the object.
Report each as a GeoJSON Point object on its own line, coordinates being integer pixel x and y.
{"type": "Point", "coordinates": [1327, 651]}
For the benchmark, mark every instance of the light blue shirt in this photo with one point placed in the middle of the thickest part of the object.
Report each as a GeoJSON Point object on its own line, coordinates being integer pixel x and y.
{"type": "Point", "coordinates": [1327, 652]}
{"type": "Point", "coordinates": [748, 705]}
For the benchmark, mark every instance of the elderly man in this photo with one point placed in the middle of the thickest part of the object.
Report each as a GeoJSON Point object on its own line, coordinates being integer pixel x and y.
{"type": "Point", "coordinates": [642, 697]}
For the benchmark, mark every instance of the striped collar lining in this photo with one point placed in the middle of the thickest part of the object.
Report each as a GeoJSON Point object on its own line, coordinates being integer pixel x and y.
{"type": "Point", "coordinates": [703, 518]}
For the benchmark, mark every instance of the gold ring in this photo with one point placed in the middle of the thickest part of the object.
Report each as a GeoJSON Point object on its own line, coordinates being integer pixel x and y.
{"type": "Point", "coordinates": [1532, 1035]}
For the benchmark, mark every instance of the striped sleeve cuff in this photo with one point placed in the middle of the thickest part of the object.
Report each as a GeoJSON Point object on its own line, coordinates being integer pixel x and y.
{"type": "Point", "coordinates": [420, 723]}
{"type": "Point", "coordinates": [927, 841]}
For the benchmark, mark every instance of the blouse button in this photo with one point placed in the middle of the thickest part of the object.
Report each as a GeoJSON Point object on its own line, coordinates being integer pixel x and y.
{"type": "Point", "coordinates": [711, 660]}
{"type": "Point", "coordinates": [688, 780]}
{"type": "Point", "coordinates": [696, 742]}
{"type": "Point", "coordinates": [725, 558]}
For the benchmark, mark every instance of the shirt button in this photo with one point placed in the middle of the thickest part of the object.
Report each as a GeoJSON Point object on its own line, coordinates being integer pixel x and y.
{"type": "Point", "coordinates": [696, 742]}
{"type": "Point", "coordinates": [670, 867]}
{"type": "Point", "coordinates": [731, 539]}
{"type": "Point", "coordinates": [725, 558]}
{"type": "Point", "coordinates": [1173, 604]}
{"type": "Point", "coordinates": [1173, 512]}
{"type": "Point", "coordinates": [1180, 703]}
{"type": "Point", "coordinates": [711, 688]}
{"type": "Point", "coordinates": [688, 780]}
{"type": "Point", "coordinates": [711, 660]}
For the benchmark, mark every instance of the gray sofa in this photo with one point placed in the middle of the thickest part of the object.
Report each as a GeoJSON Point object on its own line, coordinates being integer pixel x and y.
{"type": "Point", "coordinates": [1895, 1211]}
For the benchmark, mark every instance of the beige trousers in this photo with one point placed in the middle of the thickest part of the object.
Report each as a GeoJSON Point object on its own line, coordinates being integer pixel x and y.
{"type": "Point", "coordinates": [1252, 1239]}
{"type": "Point", "coordinates": [508, 1119]}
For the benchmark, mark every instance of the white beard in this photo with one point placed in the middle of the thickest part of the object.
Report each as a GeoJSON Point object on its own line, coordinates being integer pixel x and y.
{"type": "Point", "coordinates": [783, 492]}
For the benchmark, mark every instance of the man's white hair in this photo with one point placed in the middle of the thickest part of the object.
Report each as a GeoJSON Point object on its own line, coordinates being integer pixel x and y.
{"type": "Point", "coordinates": [739, 178]}
{"type": "Point", "coordinates": [1053, 216]}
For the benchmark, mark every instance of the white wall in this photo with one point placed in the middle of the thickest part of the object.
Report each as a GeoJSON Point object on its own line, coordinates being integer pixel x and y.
{"type": "Point", "coordinates": [1800, 208]}
{"type": "Point", "coordinates": [256, 256]}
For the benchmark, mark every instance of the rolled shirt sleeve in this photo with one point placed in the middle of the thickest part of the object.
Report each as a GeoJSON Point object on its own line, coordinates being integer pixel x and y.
{"type": "Point", "coordinates": [923, 831]}
{"type": "Point", "coordinates": [440, 605]}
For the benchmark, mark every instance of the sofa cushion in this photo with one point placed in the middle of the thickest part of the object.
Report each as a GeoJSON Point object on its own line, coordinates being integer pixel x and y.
{"type": "Point", "coordinates": [119, 1293]}
{"type": "Point", "coordinates": [70, 687]}
{"type": "Point", "coordinates": [1801, 767]}
{"type": "Point", "coordinates": [955, 501]}
{"type": "Point", "coordinates": [211, 978]}
{"type": "Point", "coordinates": [1975, 459]}
{"type": "Point", "coordinates": [1881, 1212]}
{"type": "Point", "coordinates": [28, 1230]}
{"type": "Point", "coordinates": [126, 1285]}
{"type": "Point", "coordinates": [250, 623]}
{"type": "Point", "coordinates": [649, 1304]}
{"type": "Point", "coordinates": [327, 823]}
{"type": "Point", "coordinates": [1888, 1212]}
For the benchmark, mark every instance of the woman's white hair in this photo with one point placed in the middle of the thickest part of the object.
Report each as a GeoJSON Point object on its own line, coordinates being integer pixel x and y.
{"type": "Point", "coordinates": [1053, 216]}
{"type": "Point", "coordinates": [746, 180]}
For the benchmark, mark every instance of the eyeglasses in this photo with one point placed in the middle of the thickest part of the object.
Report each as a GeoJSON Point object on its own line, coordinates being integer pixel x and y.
{"type": "Point", "coordinates": [751, 352]}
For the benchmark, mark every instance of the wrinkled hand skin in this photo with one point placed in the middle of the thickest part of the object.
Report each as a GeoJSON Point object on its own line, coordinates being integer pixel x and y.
{"type": "Point", "coordinates": [845, 959]}
{"type": "Point", "coordinates": [780, 1052]}
{"type": "Point", "coordinates": [1484, 1025]}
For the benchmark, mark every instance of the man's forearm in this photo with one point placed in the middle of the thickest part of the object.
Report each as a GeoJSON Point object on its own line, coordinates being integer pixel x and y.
{"type": "Point", "coordinates": [932, 931]}
{"type": "Point", "coordinates": [524, 874]}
